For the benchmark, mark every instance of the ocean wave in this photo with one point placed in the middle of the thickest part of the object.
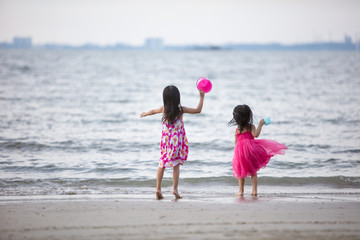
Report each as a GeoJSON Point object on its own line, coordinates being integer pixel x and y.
{"type": "Point", "coordinates": [20, 68]}
{"type": "Point", "coordinates": [104, 145]}
{"type": "Point", "coordinates": [213, 145]}
{"type": "Point", "coordinates": [91, 186]}
{"type": "Point", "coordinates": [34, 146]}
{"type": "Point", "coordinates": [110, 170]}
{"type": "Point", "coordinates": [341, 120]}
{"type": "Point", "coordinates": [307, 146]}
{"type": "Point", "coordinates": [49, 168]}
{"type": "Point", "coordinates": [16, 145]}
{"type": "Point", "coordinates": [348, 151]}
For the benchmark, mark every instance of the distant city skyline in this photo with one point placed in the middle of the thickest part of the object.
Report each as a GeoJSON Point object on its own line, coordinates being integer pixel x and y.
{"type": "Point", "coordinates": [185, 22]}
{"type": "Point", "coordinates": [158, 44]}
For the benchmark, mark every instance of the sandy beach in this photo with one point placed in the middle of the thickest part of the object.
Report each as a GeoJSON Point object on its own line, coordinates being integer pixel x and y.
{"type": "Point", "coordinates": [134, 217]}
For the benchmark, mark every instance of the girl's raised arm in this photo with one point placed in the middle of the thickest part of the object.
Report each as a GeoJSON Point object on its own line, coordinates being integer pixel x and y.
{"type": "Point", "coordinates": [198, 108]}
{"type": "Point", "coordinates": [256, 131]}
{"type": "Point", "coordinates": [152, 112]}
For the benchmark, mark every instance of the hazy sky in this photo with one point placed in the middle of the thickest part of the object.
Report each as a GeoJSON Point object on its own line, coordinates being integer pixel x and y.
{"type": "Point", "coordinates": [179, 21]}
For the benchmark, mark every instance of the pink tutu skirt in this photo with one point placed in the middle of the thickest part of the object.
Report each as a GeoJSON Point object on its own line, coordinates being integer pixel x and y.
{"type": "Point", "coordinates": [252, 154]}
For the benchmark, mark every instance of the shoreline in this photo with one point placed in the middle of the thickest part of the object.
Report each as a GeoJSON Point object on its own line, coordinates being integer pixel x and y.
{"type": "Point", "coordinates": [217, 194]}
{"type": "Point", "coordinates": [191, 190]}
{"type": "Point", "coordinates": [142, 217]}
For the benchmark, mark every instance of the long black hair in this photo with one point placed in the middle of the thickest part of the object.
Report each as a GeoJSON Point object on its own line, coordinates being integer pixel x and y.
{"type": "Point", "coordinates": [172, 107]}
{"type": "Point", "coordinates": [242, 117]}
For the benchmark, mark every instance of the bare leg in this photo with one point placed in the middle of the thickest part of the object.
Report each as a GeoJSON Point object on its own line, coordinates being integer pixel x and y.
{"type": "Point", "coordinates": [176, 175]}
{"type": "Point", "coordinates": [160, 174]}
{"type": "Point", "coordinates": [241, 187]}
{"type": "Point", "coordinates": [254, 185]}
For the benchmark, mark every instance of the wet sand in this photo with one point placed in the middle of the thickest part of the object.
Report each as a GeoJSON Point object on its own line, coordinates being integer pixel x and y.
{"type": "Point", "coordinates": [134, 217]}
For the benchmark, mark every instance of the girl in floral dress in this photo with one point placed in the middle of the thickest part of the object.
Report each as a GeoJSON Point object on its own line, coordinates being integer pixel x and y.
{"type": "Point", "coordinates": [174, 144]}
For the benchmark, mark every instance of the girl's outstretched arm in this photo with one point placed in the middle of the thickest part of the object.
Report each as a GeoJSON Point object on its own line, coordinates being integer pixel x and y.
{"type": "Point", "coordinates": [199, 107]}
{"type": "Point", "coordinates": [152, 112]}
{"type": "Point", "coordinates": [256, 131]}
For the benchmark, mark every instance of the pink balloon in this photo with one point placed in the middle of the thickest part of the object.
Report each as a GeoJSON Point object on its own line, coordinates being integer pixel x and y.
{"type": "Point", "coordinates": [204, 84]}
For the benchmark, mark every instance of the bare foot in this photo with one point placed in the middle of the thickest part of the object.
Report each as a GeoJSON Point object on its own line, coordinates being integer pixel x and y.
{"type": "Point", "coordinates": [239, 194]}
{"type": "Point", "coordinates": [159, 196]}
{"type": "Point", "coordinates": [177, 195]}
{"type": "Point", "coordinates": [254, 194]}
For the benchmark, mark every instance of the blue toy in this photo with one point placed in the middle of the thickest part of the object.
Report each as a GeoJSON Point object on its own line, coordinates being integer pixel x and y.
{"type": "Point", "coordinates": [267, 121]}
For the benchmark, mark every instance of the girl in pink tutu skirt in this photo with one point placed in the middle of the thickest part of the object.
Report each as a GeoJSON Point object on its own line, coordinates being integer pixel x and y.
{"type": "Point", "coordinates": [250, 154]}
{"type": "Point", "coordinates": [174, 144]}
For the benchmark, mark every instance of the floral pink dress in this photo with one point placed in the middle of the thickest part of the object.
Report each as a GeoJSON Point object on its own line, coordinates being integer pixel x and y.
{"type": "Point", "coordinates": [174, 144]}
{"type": "Point", "coordinates": [252, 154]}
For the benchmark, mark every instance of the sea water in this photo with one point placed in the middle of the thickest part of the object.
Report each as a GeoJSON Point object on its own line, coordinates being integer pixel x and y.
{"type": "Point", "coordinates": [70, 119]}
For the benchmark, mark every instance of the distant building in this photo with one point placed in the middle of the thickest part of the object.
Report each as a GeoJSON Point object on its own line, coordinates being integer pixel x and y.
{"type": "Point", "coordinates": [154, 44]}
{"type": "Point", "coordinates": [22, 42]}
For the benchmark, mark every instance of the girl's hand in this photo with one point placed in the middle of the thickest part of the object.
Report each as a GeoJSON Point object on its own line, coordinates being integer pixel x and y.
{"type": "Point", "coordinates": [262, 122]}
{"type": "Point", "coordinates": [152, 112]}
{"type": "Point", "coordinates": [202, 93]}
